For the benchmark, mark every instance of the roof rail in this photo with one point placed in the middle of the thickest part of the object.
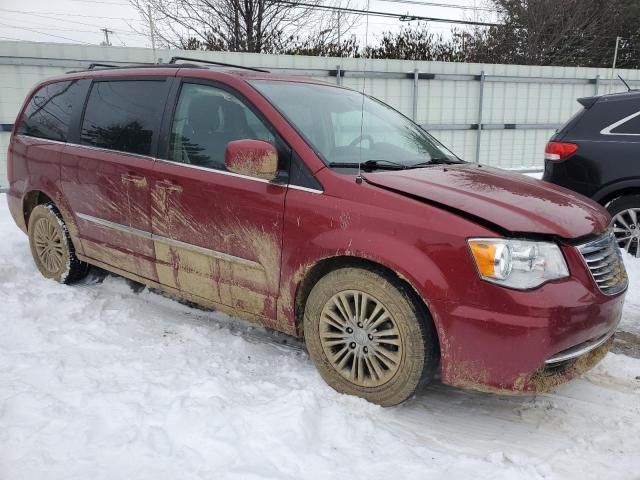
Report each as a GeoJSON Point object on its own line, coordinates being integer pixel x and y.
{"type": "Point", "coordinates": [220, 64]}
{"type": "Point", "coordinates": [101, 65]}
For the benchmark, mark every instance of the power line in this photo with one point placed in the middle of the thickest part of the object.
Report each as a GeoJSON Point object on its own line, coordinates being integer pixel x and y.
{"type": "Point", "coordinates": [12, 38]}
{"type": "Point", "coordinates": [55, 18]}
{"type": "Point", "coordinates": [66, 14]}
{"type": "Point", "coordinates": [442, 5]}
{"type": "Point", "coordinates": [44, 33]}
{"type": "Point", "coordinates": [100, 1]}
{"type": "Point", "coordinates": [47, 27]}
{"type": "Point", "coordinates": [400, 17]}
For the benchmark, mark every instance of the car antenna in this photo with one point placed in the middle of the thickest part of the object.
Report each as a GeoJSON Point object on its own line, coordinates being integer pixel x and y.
{"type": "Point", "coordinates": [625, 83]}
{"type": "Point", "coordinates": [364, 87]}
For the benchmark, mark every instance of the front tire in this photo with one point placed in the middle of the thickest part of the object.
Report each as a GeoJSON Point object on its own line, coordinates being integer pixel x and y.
{"type": "Point", "coordinates": [51, 246]}
{"type": "Point", "coordinates": [368, 337]}
{"type": "Point", "coordinates": [625, 213]}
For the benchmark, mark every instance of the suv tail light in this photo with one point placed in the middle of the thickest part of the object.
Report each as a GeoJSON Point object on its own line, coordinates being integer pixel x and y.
{"type": "Point", "coordinates": [558, 151]}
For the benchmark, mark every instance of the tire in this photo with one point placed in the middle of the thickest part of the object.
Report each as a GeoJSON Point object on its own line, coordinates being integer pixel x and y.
{"type": "Point", "coordinates": [395, 343]}
{"type": "Point", "coordinates": [625, 213]}
{"type": "Point", "coordinates": [51, 246]}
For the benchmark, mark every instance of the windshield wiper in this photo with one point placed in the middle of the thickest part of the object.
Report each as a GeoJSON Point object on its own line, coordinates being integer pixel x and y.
{"type": "Point", "coordinates": [371, 165]}
{"type": "Point", "coordinates": [436, 161]}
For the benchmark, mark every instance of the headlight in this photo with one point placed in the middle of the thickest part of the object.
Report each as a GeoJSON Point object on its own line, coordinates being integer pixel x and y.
{"type": "Point", "coordinates": [519, 264]}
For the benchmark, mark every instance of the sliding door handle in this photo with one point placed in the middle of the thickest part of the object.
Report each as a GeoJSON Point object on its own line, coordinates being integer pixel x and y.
{"type": "Point", "coordinates": [137, 180]}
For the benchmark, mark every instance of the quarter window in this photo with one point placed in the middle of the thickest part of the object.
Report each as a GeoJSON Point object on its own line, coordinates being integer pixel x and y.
{"type": "Point", "coordinates": [48, 114]}
{"type": "Point", "coordinates": [122, 115]}
{"type": "Point", "coordinates": [206, 120]}
{"type": "Point", "coordinates": [630, 127]}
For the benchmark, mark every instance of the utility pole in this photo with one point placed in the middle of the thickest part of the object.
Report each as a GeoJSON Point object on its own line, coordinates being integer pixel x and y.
{"type": "Point", "coordinates": [106, 42]}
{"type": "Point", "coordinates": [153, 34]}
{"type": "Point", "coordinates": [339, 32]}
{"type": "Point", "coordinates": [613, 69]}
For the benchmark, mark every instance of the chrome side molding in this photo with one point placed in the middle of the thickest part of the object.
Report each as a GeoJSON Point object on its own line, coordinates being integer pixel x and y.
{"type": "Point", "coordinates": [168, 241]}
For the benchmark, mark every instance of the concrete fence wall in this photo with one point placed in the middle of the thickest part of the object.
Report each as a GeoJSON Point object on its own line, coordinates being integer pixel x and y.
{"type": "Point", "coordinates": [501, 115]}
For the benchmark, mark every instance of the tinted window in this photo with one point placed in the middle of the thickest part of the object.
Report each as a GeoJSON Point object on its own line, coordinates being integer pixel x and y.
{"type": "Point", "coordinates": [48, 114]}
{"type": "Point", "coordinates": [206, 120]}
{"type": "Point", "coordinates": [122, 115]}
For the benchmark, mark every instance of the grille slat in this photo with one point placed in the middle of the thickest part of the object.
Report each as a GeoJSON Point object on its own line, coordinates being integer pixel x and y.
{"type": "Point", "coordinates": [602, 258]}
{"type": "Point", "coordinates": [606, 256]}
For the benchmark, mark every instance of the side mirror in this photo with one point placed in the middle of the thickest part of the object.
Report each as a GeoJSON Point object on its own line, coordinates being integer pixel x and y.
{"type": "Point", "coordinates": [253, 158]}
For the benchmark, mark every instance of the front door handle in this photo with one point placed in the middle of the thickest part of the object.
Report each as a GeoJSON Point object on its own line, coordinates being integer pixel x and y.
{"type": "Point", "coordinates": [168, 185]}
{"type": "Point", "coordinates": [137, 180]}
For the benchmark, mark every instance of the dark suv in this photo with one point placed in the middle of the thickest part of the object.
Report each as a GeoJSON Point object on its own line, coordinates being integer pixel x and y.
{"type": "Point", "coordinates": [597, 153]}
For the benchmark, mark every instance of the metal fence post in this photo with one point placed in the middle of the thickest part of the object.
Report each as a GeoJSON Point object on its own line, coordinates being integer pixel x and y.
{"type": "Point", "coordinates": [597, 85]}
{"type": "Point", "coordinates": [481, 99]}
{"type": "Point", "coordinates": [415, 94]}
{"type": "Point", "coordinates": [338, 74]}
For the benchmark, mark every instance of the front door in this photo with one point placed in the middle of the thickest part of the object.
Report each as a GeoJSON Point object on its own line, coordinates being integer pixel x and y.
{"type": "Point", "coordinates": [217, 235]}
{"type": "Point", "coordinates": [107, 175]}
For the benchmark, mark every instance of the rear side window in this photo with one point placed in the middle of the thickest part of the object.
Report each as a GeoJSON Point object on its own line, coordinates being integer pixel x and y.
{"type": "Point", "coordinates": [630, 125]}
{"type": "Point", "coordinates": [48, 114]}
{"type": "Point", "coordinates": [123, 115]}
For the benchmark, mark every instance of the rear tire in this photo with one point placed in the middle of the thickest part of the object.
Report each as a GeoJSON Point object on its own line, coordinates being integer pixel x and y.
{"type": "Point", "coordinates": [51, 246]}
{"type": "Point", "coordinates": [368, 337]}
{"type": "Point", "coordinates": [625, 213]}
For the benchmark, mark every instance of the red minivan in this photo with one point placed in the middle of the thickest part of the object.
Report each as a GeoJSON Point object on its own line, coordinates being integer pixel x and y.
{"type": "Point", "coordinates": [320, 212]}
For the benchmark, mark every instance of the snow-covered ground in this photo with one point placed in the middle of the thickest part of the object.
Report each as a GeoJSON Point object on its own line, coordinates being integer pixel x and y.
{"type": "Point", "coordinates": [100, 382]}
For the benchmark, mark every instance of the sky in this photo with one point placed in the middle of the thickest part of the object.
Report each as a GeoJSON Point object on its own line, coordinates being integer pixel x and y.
{"type": "Point", "coordinates": [81, 21]}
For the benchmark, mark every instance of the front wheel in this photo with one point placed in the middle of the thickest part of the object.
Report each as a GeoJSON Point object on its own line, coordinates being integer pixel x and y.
{"type": "Point", "coordinates": [625, 213]}
{"type": "Point", "coordinates": [368, 337]}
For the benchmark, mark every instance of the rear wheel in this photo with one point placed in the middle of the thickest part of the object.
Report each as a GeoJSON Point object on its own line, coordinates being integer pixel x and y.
{"type": "Point", "coordinates": [368, 337]}
{"type": "Point", "coordinates": [625, 213]}
{"type": "Point", "coordinates": [51, 246]}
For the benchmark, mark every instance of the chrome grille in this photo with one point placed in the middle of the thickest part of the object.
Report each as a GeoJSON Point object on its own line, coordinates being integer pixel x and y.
{"type": "Point", "coordinates": [604, 261]}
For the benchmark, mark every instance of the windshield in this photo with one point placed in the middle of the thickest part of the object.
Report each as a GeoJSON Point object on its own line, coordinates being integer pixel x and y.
{"type": "Point", "coordinates": [333, 122]}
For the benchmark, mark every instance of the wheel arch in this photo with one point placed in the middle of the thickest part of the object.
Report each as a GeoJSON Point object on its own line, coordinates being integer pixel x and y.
{"type": "Point", "coordinates": [329, 264]}
{"type": "Point", "coordinates": [31, 200]}
{"type": "Point", "coordinates": [38, 196]}
{"type": "Point", "coordinates": [627, 187]}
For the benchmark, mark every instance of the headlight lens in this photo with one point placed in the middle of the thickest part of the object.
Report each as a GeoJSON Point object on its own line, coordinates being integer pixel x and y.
{"type": "Point", "coordinates": [519, 264]}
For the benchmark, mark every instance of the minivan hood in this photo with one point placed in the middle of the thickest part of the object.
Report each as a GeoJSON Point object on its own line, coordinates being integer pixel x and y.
{"type": "Point", "coordinates": [512, 201]}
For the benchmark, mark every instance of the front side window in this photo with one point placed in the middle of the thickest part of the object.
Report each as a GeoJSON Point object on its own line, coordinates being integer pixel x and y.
{"type": "Point", "coordinates": [345, 126]}
{"type": "Point", "coordinates": [48, 114]}
{"type": "Point", "coordinates": [206, 120]}
{"type": "Point", "coordinates": [122, 115]}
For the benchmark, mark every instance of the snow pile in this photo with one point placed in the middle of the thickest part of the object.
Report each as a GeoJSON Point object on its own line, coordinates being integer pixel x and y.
{"type": "Point", "coordinates": [99, 382]}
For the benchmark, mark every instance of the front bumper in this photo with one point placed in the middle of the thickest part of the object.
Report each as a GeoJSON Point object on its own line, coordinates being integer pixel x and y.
{"type": "Point", "coordinates": [507, 341]}
{"type": "Point", "coordinates": [580, 350]}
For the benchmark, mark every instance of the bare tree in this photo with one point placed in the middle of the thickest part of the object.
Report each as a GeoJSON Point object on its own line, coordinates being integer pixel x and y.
{"type": "Point", "coordinates": [262, 26]}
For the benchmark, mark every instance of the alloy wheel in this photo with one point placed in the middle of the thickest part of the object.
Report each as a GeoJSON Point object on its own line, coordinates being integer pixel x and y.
{"type": "Point", "coordinates": [626, 228]}
{"type": "Point", "coordinates": [360, 338]}
{"type": "Point", "coordinates": [48, 244]}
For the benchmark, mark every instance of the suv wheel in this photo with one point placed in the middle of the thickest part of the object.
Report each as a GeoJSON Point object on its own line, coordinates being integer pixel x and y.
{"type": "Point", "coordinates": [367, 337]}
{"type": "Point", "coordinates": [51, 246]}
{"type": "Point", "coordinates": [626, 222]}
